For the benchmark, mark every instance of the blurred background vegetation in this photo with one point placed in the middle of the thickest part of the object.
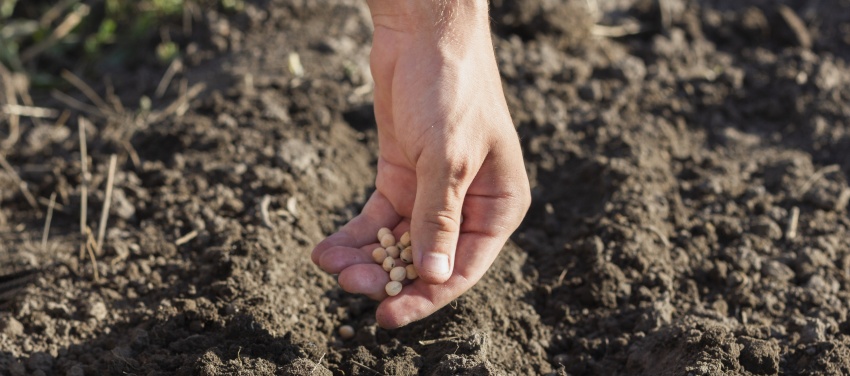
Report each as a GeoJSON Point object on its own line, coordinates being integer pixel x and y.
{"type": "Point", "coordinates": [43, 37]}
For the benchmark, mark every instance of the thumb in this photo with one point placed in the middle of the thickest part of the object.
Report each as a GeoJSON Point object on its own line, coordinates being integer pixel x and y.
{"type": "Point", "coordinates": [435, 224]}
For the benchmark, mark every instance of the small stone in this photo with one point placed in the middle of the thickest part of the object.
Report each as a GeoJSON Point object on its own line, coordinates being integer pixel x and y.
{"type": "Point", "coordinates": [11, 327]}
{"type": "Point", "coordinates": [97, 310]}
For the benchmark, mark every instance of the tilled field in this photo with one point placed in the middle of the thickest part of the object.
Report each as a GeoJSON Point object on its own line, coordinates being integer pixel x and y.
{"type": "Point", "coordinates": [688, 161]}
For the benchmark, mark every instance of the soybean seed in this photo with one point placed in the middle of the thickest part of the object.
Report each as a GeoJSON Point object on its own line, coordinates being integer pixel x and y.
{"type": "Point", "coordinates": [387, 240]}
{"type": "Point", "coordinates": [393, 251]}
{"type": "Point", "coordinates": [411, 272]}
{"type": "Point", "coordinates": [379, 254]}
{"type": "Point", "coordinates": [388, 264]}
{"type": "Point", "coordinates": [398, 273]}
{"type": "Point", "coordinates": [405, 239]}
{"type": "Point", "coordinates": [346, 332]}
{"type": "Point", "coordinates": [383, 231]}
{"type": "Point", "coordinates": [393, 288]}
{"type": "Point", "coordinates": [407, 255]}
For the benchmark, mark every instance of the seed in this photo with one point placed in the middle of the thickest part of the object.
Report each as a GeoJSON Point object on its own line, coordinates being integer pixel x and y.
{"type": "Point", "coordinates": [387, 240]}
{"type": "Point", "coordinates": [393, 251]}
{"type": "Point", "coordinates": [383, 231]}
{"type": "Point", "coordinates": [388, 264]}
{"type": "Point", "coordinates": [405, 239]}
{"type": "Point", "coordinates": [379, 254]}
{"type": "Point", "coordinates": [346, 332]}
{"type": "Point", "coordinates": [411, 272]}
{"type": "Point", "coordinates": [407, 255]}
{"type": "Point", "coordinates": [398, 273]}
{"type": "Point", "coordinates": [393, 288]}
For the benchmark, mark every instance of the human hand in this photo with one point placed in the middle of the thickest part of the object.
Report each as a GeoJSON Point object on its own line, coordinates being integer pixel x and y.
{"type": "Point", "coordinates": [450, 166]}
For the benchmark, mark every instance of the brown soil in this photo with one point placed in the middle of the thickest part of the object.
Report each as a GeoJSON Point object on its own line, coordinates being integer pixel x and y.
{"type": "Point", "coordinates": [665, 165]}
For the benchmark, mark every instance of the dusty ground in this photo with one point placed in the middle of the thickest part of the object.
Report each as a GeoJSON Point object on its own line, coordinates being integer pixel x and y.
{"type": "Point", "coordinates": [666, 167]}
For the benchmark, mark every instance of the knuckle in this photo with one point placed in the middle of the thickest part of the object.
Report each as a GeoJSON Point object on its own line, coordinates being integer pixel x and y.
{"type": "Point", "coordinates": [458, 168]}
{"type": "Point", "coordinates": [457, 172]}
{"type": "Point", "coordinates": [441, 221]}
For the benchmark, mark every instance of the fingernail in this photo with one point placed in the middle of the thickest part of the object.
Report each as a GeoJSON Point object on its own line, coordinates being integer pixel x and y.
{"type": "Point", "coordinates": [435, 263]}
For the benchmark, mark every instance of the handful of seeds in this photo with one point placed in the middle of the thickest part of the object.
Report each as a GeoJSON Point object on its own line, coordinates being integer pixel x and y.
{"type": "Point", "coordinates": [396, 258]}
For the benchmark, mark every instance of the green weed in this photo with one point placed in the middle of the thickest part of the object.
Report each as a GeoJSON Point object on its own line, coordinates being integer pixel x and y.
{"type": "Point", "coordinates": [41, 37]}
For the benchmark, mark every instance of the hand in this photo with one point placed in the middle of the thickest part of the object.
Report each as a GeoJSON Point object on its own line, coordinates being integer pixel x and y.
{"type": "Point", "coordinates": [450, 167]}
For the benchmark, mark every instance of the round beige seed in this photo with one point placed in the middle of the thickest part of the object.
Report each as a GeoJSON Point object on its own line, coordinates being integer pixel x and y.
{"type": "Point", "coordinates": [346, 332]}
{"type": "Point", "coordinates": [379, 254]}
{"type": "Point", "coordinates": [387, 240]}
{"type": "Point", "coordinates": [388, 264]}
{"type": "Point", "coordinates": [405, 239]}
{"type": "Point", "coordinates": [411, 272]}
{"type": "Point", "coordinates": [407, 255]}
{"type": "Point", "coordinates": [393, 251]}
{"type": "Point", "coordinates": [393, 288]}
{"type": "Point", "coordinates": [384, 231]}
{"type": "Point", "coordinates": [398, 273]}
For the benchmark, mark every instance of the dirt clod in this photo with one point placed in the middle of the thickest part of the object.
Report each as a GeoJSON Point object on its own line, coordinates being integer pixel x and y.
{"type": "Point", "coordinates": [759, 357]}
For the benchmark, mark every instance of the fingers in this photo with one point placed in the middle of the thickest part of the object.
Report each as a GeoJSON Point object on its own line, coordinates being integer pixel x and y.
{"type": "Point", "coordinates": [418, 300]}
{"type": "Point", "coordinates": [366, 279]}
{"type": "Point", "coordinates": [361, 230]}
{"type": "Point", "coordinates": [441, 185]}
{"type": "Point", "coordinates": [337, 258]}
{"type": "Point", "coordinates": [499, 197]}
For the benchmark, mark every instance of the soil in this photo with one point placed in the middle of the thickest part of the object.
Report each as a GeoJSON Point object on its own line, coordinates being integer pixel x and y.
{"type": "Point", "coordinates": [667, 162]}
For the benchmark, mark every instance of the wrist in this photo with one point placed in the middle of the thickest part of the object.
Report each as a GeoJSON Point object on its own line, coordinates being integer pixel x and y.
{"type": "Point", "coordinates": [438, 18]}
